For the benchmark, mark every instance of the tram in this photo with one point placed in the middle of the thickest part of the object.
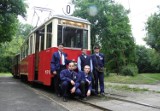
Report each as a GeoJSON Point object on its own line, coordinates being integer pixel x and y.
{"type": "Point", "coordinates": [36, 52]}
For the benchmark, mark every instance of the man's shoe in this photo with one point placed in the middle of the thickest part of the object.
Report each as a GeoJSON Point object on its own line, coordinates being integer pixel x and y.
{"type": "Point", "coordinates": [58, 95]}
{"type": "Point", "coordinates": [102, 94]}
{"type": "Point", "coordinates": [65, 99]}
{"type": "Point", "coordinates": [84, 99]}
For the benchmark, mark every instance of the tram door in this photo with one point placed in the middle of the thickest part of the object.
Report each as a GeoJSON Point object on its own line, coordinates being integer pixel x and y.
{"type": "Point", "coordinates": [36, 56]}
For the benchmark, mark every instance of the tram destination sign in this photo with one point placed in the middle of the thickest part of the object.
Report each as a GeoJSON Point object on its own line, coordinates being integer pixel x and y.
{"type": "Point", "coordinates": [72, 23]}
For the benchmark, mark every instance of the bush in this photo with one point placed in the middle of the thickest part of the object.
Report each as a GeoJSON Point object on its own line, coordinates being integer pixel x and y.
{"type": "Point", "coordinates": [6, 63]}
{"type": "Point", "coordinates": [129, 70]}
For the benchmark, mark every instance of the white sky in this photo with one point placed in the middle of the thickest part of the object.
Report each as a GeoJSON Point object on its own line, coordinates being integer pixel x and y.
{"type": "Point", "coordinates": [140, 10]}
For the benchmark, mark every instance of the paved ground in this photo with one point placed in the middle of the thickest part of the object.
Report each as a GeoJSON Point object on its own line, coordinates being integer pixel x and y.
{"type": "Point", "coordinates": [151, 98]}
{"type": "Point", "coordinates": [17, 97]}
{"type": "Point", "coordinates": [155, 87]}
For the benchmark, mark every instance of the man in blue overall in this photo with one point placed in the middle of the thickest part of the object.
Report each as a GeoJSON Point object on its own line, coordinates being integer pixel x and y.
{"type": "Point", "coordinates": [70, 81]}
{"type": "Point", "coordinates": [86, 82]}
{"type": "Point", "coordinates": [98, 68]}
{"type": "Point", "coordinates": [83, 60]}
{"type": "Point", "coordinates": [58, 63]}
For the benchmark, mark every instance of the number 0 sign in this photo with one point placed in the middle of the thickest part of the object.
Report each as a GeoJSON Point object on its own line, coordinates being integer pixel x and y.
{"type": "Point", "coordinates": [68, 9]}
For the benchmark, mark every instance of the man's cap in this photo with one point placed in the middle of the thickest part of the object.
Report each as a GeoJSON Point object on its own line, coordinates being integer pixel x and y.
{"type": "Point", "coordinates": [96, 47]}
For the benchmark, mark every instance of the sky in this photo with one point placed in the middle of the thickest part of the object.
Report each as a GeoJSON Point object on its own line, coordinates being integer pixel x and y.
{"type": "Point", "coordinates": [140, 11]}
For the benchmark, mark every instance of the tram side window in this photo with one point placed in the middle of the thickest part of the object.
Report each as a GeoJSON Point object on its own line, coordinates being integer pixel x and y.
{"type": "Point", "coordinates": [31, 42]}
{"type": "Point", "coordinates": [72, 37]}
{"type": "Point", "coordinates": [42, 39]}
{"type": "Point", "coordinates": [49, 35]}
{"type": "Point", "coordinates": [23, 53]}
{"type": "Point", "coordinates": [85, 39]}
{"type": "Point", "coordinates": [59, 39]}
{"type": "Point", "coordinates": [75, 38]}
{"type": "Point", "coordinates": [27, 48]}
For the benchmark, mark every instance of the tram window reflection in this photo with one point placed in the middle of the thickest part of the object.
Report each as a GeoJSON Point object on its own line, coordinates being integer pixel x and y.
{"type": "Point", "coordinates": [31, 42]}
{"type": "Point", "coordinates": [73, 37]}
{"type": "Point", "coordinates": [59, 39]}
{"type": "Point", "coordinates": [42, 40]}
{"type": "Point", "coordinates": [49, 35]}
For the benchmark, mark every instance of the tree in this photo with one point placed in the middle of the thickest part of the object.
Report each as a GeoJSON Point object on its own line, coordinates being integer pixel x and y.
{"type": "Point", "coordinates": [148, 60]}
{"type": "Point", "coordinates": [110, 25]}
{"type": "Point", "coordinates": [9, 49]}
{"type": "Point", "coordinates": [24, 29]}
{"type": "Point", "coordinates": [153, 32]}
{"type": "Point", "coordinates": [9, 10]}
{"type": "Point", "coordinates": [143, 59]}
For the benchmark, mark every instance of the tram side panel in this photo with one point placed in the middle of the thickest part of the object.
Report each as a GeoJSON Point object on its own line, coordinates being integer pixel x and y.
{"type": "Point", "coordinates": [31, 61]}
{"type": "Point", "coordinates": [44, 73]}
{"type": "Point", "coordinates": [44, 66]}
{"type": "Point", "coordinates": [24, 67]}
{"type": "Point", "coordinates": [73, 53]}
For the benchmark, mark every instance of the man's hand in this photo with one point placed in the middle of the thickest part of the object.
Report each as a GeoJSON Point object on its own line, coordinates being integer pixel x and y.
{"type": "Point", "coordinates": [73, 90]}
{"type": "Point", "coordinates": [88, 93]}
{"type": "Point", "coordinates": [72, 82]}
{"type": "Point", "coordinates": [54, 72]}
{"type": "Point", "coordinates": [89, 82]}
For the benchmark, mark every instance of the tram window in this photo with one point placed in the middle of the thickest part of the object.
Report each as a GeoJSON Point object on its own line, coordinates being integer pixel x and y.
{"type": "Point", "coordinates": [24, 50]}
{"type": "Point", "coordinates": [85, 39]}
{"type": "Point", "coordinates": [23, 53]}
{"type": "Point", "coordinates": [42, 39]}
{"type": "Point", "coordinates": [49, 35]}
{"type": "Point", "coordinates": [31, 42]}
{"type": "Point", "coordinates": [59, 38]}
{"type": "Point", "coordinates": [73, 37]}
{"type": "Point", "coordinates": [27, 48]}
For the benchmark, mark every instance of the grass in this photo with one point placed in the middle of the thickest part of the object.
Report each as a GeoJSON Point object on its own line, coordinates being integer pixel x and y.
{"type": "Point", "coordinates": [145, 78]}
{"type": "Point", "coordinates": [5, 74]}
{"type": "Point", "coordinates": [127, 88]}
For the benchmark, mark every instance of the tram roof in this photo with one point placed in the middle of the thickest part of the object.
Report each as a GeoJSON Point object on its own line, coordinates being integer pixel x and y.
{"type": "Point", "coordinates": [65, 17]}
{"type": "Point", "coordinates": [73, 18]}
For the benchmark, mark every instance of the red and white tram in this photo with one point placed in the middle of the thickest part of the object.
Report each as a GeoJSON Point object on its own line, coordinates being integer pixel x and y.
{"type": "Point", "coordinates": [37, 50]}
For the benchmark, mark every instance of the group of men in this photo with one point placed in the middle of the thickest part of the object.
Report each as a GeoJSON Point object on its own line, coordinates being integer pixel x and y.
{"type": "Point", "coordinates": [68, 82]}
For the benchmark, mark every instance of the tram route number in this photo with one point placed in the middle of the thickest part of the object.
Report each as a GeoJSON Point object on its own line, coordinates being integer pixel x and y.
{"type": "Point", "coordinates": [68, 9]}
{"type": "Point", "coordinates": [47, 72]}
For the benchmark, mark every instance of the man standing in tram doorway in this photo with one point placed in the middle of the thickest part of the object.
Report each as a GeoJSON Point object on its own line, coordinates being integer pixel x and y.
{"type": "Point", "coordinates": [98, 69]}
{"type": "Point", "coordinates": [83, 60]}
{"type": "Point", "coordinates": [58, 63]}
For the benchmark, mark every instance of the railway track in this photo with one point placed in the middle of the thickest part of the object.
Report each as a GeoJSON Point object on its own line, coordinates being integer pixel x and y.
{"type": "Point", "coordinates": [93, 103]}
{"type": "Point", "coordinates": [71, 103]}
{"type": "Point", "coordinates": [110, 96]}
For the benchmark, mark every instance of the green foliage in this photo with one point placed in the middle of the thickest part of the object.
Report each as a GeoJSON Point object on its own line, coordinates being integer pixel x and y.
{"type": "Point", "coordinates": [129, 70]}
{"type": "Point", "coordinates": [127, 88]}
{"type": "Point", "coordinates": [144, 78]}
{"type": "Point", "coordinates": [153, 32]}
{"type": "Point", "coordinates": [6, 63]}
{"type": "Point", "coordinates": [147, 60]}
{"type": "Point", "coordinates": [110, 28]}
{"type": "Point", "coordinates": [10, 49]}
{"type": "Point", "coordinates": [5, 74]}
{"type": "Point", "coordinates": [24, 29]}
{"type": "Point", "coordinates": [9, 11]}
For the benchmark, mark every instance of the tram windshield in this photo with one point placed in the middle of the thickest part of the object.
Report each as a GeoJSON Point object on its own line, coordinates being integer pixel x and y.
{"type": "Point", "coordinates": [73, 37]}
